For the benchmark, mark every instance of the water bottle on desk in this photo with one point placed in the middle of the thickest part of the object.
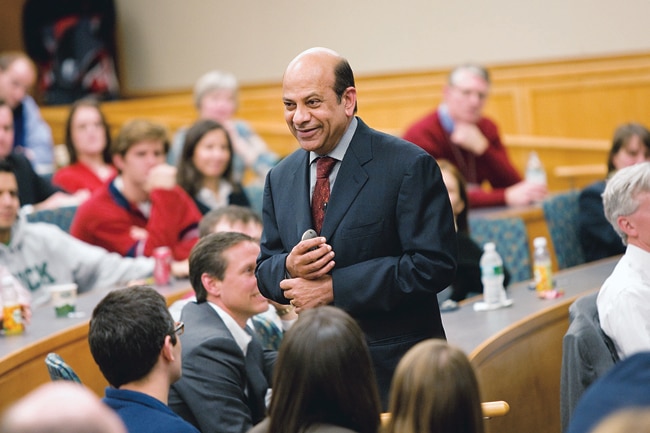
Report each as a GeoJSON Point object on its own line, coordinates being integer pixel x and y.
{"type": "Point", "coordinates": [542, 266]}
{"type": "Point", "coordinates": [535, 172]}
{"type": "Point", "coordinates": [491, 275]}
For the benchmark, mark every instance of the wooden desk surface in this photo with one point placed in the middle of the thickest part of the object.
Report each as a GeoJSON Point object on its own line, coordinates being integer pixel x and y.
{"type": "Point", "coordinates": [517, 351]}
{"type": "Point", "coordinates": [22, 357]}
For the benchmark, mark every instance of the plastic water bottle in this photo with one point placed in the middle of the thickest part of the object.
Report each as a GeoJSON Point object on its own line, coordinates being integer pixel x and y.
{"type": "Point", "coordinates": [542, 265]}
{"type": "Point", "coordinates": [491, 275]}
{"type": "Point", "coordinates": [535, 170]}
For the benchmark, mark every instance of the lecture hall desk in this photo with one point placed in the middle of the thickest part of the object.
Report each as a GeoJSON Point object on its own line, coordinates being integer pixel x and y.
{"type": "Point", "coordinates": [22, 357]}
{"type": "Point", "coordinates": [516, 351]}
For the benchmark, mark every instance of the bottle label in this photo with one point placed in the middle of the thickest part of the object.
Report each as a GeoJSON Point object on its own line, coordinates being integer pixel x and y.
{"type": "Point", "coordinates": [13, 319]}
{"type": "Point", "coordinates": [492, 271]}
{"type": "Point", "coordinates": [543, 277]}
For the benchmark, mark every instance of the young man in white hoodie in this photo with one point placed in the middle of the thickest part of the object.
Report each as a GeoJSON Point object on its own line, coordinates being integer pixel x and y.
{"type": "Point", "coordinates": [39, 254]}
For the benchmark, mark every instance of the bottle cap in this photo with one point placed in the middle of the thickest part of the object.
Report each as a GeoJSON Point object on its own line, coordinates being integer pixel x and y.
{"type": "Point", "coordinates": [489, 246]}
{"type": "Point", "coordinates": [539, 242]}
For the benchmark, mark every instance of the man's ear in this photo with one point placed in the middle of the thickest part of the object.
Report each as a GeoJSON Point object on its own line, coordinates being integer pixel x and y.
{"type": "Point", "coordinates": [118, 162]}
{"type": "Point", "coordinates": [211, 284]}
{"type": "Point", "coordinates": [167, 350]}
{"type": "Point", "coordinates": [627, 226]}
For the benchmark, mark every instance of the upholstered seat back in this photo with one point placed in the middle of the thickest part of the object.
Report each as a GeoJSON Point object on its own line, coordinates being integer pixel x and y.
{"type": "Point", "coordinates": [511, 239]}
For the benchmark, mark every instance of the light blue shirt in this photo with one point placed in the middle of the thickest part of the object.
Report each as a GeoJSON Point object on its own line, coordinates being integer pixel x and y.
{"type": "Point", "coordinates": [337, 153]}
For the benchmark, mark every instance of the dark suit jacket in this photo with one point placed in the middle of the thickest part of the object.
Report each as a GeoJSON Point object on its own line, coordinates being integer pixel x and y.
{"type": "Point", "coordinates": [220, 390]}
{"type": "Point", "coordinates": [390, 225]}
{"type": "Point", "coordinates": [597, 236]}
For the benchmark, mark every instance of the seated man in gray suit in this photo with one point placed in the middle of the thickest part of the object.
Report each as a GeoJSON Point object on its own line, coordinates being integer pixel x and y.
{"type": "Point", "coordinates": [226, 373]}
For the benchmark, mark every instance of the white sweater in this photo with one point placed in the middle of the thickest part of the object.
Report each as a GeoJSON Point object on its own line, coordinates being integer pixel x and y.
{"type": "Point", "coordinates": [40, 254]}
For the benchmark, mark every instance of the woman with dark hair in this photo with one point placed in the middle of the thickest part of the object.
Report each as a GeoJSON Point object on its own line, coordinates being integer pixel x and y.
{"type": "Point", "coordinates": [87, 139]}
{"type": "Point", "coordinates": [434, 390]}
{"type": "Point", "coordinates": [468, 271]}
{"type": "Point", "coordinates": [630, 146]}
{"type": "Point", "coordinates": [205, 169]}
{"type": "Point", "coordinates": [323, 380]}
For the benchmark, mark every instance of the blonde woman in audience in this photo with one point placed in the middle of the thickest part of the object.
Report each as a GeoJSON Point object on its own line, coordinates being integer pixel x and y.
{"type": "Point", "coordinates": [205, 170]}
{"type": "Point", "coordinates": [434, 390]}
{"type": "Point", "coordinates": [87, 140]}
{"type": "Point", "coordinates": [215, 97]}
{"type": "Point", "coordinates": [323, 380]}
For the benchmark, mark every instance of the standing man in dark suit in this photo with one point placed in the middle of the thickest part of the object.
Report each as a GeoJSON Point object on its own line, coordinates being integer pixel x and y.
{"type": "Point", "coordinates": [387, 243]}
{"type": "Point", "coordinates": [226, 373]}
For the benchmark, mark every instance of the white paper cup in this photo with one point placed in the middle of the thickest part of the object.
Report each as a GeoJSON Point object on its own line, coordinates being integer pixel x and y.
{"type": "Point", "coordinates": [64, 299]}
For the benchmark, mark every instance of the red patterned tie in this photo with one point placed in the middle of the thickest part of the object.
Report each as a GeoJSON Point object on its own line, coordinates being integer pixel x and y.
{"type": "Point", "coordinates": [321, 196]}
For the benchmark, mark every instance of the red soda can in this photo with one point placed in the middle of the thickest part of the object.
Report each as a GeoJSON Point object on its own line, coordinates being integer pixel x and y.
{"type": "Point", "coordinates": [162, 270]}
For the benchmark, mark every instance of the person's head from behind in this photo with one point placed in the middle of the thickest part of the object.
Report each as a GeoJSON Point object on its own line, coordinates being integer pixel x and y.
{"type": "Point", "coordinates": [206, 157]}
{"type": "Point", "coordinates": [331, 380]}
{"type": "Point", "coordinates": [435, 390]}
{"type": "Point", "coordinates": [222, 271]}
{"type": "Point", "coordinates": [457, 190]}
{"type": "Point", "coordinates": [9, 201]}
{"type": "Point", "coordinates": [231, 218]}
{"type": "Point", "coordinates": [6, 129]}
{"type": "Point", "coordinates": [61, 407]}
{"type": "Point", "coordinates": [626, 202]}
{"type": "Point", "coordinates": [215, 96]}
{"type": "Point", "coordinates": [466, 91]}
{"type": "Point", "coordinates": [87, 131]}
{"type": "Point", "coordinates": [630, 145]}
{"type": "Point", "coordinates": [132, 333]}
{"type": "Point", "coordinates": [139, 146]}
{"type": "Point", "coordinates": [319, 97]}
{"type": "Point", "coordinates": [17, 76]}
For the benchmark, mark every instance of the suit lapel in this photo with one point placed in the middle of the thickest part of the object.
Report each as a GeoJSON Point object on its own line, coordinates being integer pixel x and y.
{"type": "Point", "coordinates": [350, 179]}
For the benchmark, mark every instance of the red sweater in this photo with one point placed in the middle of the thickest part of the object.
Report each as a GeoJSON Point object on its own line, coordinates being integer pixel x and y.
{"type": "Point", "coordinates": [78, 176]}
{"type": "Point", "coordinates": [106, 219]}
{"type": "Point", "coordinates": [493, 166]}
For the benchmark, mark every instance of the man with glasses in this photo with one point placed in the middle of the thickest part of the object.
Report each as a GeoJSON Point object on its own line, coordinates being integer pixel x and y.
{"type": "Point", "coordinates": [226, 373]}
{"type": "Point", "coordinates": [135, 343]}
{"type": "Point", "coordinates": [457, 131]}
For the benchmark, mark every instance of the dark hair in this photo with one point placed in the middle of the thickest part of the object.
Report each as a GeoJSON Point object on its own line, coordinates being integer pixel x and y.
{"type": "Point", "coordinates": [189, 177]}
{"type": "Point", "coordinates": [231, 213]}
{"type": "Point", "coordinates": [332, 379]}
{"type": "Point", "coordinates": [622, 136]}
{"type": "Point", "coordinates": [207, 258]}
{"type": "Point", "coordinates": [127, 333]}
{"type": "Point", "coordinates": [434, 389]}
{"type": "Point", "coordinates": [462, 224]}
{"type": "Point", "coordinates": [92, 103]}
{"type": "Point", "coordinates": [343, 78]}
{"type": "Point", "coordinates": [6, 166]}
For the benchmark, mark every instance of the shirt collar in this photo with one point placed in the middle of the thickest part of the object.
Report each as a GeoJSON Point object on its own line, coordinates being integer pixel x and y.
{"type": "Point", "coordinates": [339, 151]}
{"type": "Point", "coordinates": [445, 118]}
{"type": "Point", "coordinates": [242, 338]}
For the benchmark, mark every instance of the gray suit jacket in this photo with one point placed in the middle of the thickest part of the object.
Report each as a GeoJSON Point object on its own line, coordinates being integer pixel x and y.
{"type": "Point", "coordinates": [220, 390]}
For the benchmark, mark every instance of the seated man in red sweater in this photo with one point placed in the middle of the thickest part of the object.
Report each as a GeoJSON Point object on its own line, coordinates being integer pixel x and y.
{"type": "Point", "coordinates": [458, 132]}
{"type": "Point", "coordinates": [142, 208]}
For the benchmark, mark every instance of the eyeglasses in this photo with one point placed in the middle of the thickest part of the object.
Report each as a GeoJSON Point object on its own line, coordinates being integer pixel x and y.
{"type": "Point", "coordinates": [179, 328]}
